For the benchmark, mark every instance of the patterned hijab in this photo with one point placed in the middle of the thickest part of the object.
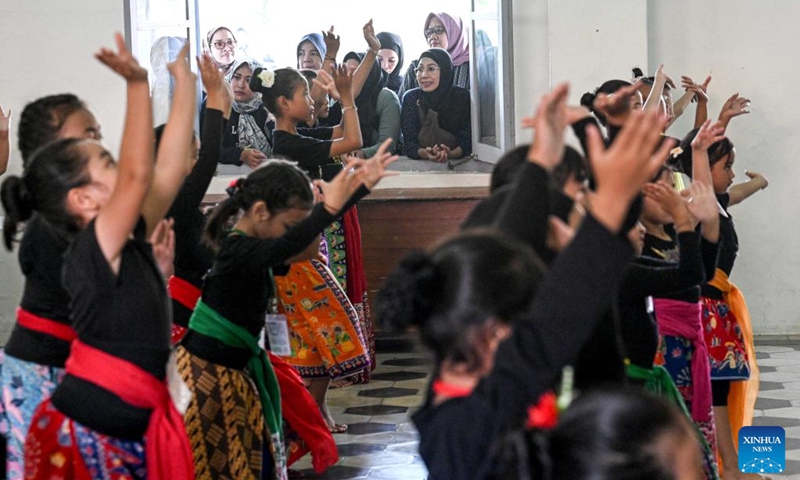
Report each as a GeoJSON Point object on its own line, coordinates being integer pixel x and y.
{"type": "Point", "coordinates": [457, 36]}
{"type": "Point", "coordinates": [207, 48]}
{"type": "Point", "coordinates": [251, 134]}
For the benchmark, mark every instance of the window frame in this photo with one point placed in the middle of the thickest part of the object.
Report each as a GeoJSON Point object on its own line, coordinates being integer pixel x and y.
{"type": "Point", "coordinates": [507, 133]}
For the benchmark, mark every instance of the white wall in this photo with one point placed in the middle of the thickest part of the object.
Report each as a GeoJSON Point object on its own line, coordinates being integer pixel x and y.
{"type": "Point", "coordinates": [751, 48]}
{"type": "Point", "coordinates": [748, 46]}
{"type": "Point", "coordinates": [50, 47]}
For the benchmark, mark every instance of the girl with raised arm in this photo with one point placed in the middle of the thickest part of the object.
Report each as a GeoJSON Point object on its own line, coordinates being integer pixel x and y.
{"type": "Point", "coordinates": [220, 358]}
{"type": "Point", "coordinates": [113, 401]}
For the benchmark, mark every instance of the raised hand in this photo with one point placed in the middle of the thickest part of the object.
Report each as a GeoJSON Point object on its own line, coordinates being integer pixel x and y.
{"type": "Point", "coordinates": [179, 68]}
{"type": "Point", "coordinates": [758, 178]}
{"type": "Point", "coordinates": [162, 241]}
{"type": "Point", "coordinates": [630, 162]}
{"type": "Point", "coordinates": [701, 202]}
{"type": "Point", "coordinates": [343, 83]}
{"type": "Point", "coordinates": [549, 123]}
{"type": "Point", "coordinates": [331, 43]}
{"type": "Point", "coordinates": [373, 169]}
{"type": "Point", "coordinates": [338, 191]}
{"type": "Point", "coordinates": [369, 36]}
{"type": "Point", "coordinates": [700, 90]}
{"type": "Point", "coordinates": [324, 84]}
{"type": "Point", "coordinates": [5, 119]}
{"type": "Point", "coordinates": [672, 203]}
{"type": "Point", "coordinates": [122, 61]}
{"type": "Point", "coordinates": [733, 107]}
{"type": "Point", "coordinates": [616, 104]}
{"type": "Point", "coordinates": [209, 73]}
{"type": "Point", "coordinates": [708, 135]}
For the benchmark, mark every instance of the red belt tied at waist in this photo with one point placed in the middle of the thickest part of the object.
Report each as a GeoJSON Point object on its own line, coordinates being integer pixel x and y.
{"type": "Point", "coordinates": [683, 319]}
{"type": "Point", "coordinates": [184, 292]}
{"type": "Point", "coordinates": [167, 450]}
{"type": "Point", "coordinates": [44, 325]}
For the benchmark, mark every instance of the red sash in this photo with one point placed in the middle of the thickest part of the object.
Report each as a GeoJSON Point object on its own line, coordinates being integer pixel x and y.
{"type": "Point", "coordinates": [184, 292]}
{"type": "Point", "coordinates": [44, 325]}
{"type": "Point", "coordinates": [167, 450]}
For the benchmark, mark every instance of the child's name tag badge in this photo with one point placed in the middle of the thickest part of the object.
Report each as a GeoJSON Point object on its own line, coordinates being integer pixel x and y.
{"type": "Point", "coordinates": [278, 334]}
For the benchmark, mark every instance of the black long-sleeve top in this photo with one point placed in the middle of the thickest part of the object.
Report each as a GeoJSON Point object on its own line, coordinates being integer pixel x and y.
{"type": "Point", "coordinates": [646, 277]}
{"type": "Point", "coordinates": [192, 258]}
{"type": "Point", "coordinates": [667, 251]}
{"type": "Point", "coordinates": [602, 359]}
{"type": "Point", "coordinates": [239, 286]}
{"type": "Point", "coordinates": [456, 435]}
{"type": "Point", "coordinates": [728, 248]}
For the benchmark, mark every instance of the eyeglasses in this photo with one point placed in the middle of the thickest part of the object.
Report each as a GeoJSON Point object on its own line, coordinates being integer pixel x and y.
{"type": "Point", "coordinates": [431, 70]}
{"type": "Point", "coordinates": [220, 44]}
{"type": "Point", "coordinates": [434, 31]}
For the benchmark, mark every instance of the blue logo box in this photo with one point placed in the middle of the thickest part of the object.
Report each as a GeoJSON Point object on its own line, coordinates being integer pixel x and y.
{"type": "Point", "coordinates": [762, 449]}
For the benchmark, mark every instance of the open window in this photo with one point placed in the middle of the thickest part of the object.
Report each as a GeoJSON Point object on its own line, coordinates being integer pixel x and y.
{"type": "Point", "coordinates": [492, 79]}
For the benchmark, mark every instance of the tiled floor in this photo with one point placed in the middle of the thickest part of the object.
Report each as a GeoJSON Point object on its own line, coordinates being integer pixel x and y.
{"type": "Point", "coordinates": [381, 442]}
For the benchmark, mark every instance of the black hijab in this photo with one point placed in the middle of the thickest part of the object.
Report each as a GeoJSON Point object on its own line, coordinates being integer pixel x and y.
{"type": "Point", "coordinates": [452, 103]}
{"type": "Point", "coordinates": [367, 100]}
{"type": "Point", "coordinates": [392, 41]}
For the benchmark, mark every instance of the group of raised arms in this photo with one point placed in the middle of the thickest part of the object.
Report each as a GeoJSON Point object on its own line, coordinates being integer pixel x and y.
{"type": "Point", "coordinates": [583, 322]}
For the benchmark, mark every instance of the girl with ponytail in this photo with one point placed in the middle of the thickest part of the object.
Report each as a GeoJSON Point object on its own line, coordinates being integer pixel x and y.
{"type": "Point", "coordinates": [269, 219]}
{"type": "Point", "coordinates": [495, 322]}
{"type": "Point", "coordinates": [286, 94]}
{"type": "Point", "coordinates": [114, 393]}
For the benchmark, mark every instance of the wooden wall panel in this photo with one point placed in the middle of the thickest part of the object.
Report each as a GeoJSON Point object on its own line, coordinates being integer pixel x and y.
{"type": "Point", "coordinates": [392, 227]}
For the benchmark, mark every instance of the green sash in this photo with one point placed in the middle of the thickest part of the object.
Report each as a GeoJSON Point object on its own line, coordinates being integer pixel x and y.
{"type": "Point", "coordinates": [209, 322]}
{"type": "Point", "coordinates": [659, 382]}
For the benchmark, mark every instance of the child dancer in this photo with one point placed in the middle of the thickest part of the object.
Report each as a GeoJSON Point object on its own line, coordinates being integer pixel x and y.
{"type": "Point", "coordinates": [220, 355]}
{"type": "Point", "coordinates": [114, 393]}
{"type": "Point", "coordinates": [192, 257]}
{"type": "Point", "coordinates": [469, 293]}
{"type": "Point", "coordinates": [726, 321]}
{"type": "Point", "coordinates": [286, 96]}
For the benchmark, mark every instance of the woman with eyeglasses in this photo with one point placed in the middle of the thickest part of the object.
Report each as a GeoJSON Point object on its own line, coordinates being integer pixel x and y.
{"type": "Point", "coordinates": [221, 44]}
{"type": "Point", "coordinates": [435, 116]}
{"type": "Point", "coordinates": [448, 32]}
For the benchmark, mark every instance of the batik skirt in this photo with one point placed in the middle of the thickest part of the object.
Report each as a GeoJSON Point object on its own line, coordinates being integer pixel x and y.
{"type": "Point", "coordinates": [58, 447]}
{"type": "Point", "coordinates": [25, 386]}
{"type": "Point", "coordinates": [324, 329]}
{"type": "Point", "coordinates": [224, 420]}
{"type": "Point", "coordinates": [726, 348]}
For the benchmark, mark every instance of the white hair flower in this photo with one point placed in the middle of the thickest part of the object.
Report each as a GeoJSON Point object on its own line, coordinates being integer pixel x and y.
{"type": "Point", "coordinates": [675, 152]}
{"type": "Point", "coordinates": [267, 78]}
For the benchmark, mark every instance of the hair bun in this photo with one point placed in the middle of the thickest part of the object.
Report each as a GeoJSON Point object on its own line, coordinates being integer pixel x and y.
{"type": "Point", "coordinates": [405, 298]}
{"type": "Point", "coordinates": [587, 100]}
{"type": "Point", "coordinates": [256, 84]}
{"type": "Point", "coordinates": [637, 72]}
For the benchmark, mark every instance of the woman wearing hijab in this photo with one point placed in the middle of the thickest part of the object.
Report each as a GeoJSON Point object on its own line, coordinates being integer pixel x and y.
{"type": "Point", "coordinates": [436, 117]}
{"type": "Point", "coordinates": [248, 135]}
{"type": "Point", "coordinates": [390, 56]}
{"type": "Point", "coordinates": [378, 110]}
{"type": "Point", "coordinates": [221, 45]}
{"type": "Point", "coordinates": [448, 32]}
{"type": "Point", "coordinates": [163, 52]}
{"type": "Point", "coordinates": [311, 52]}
